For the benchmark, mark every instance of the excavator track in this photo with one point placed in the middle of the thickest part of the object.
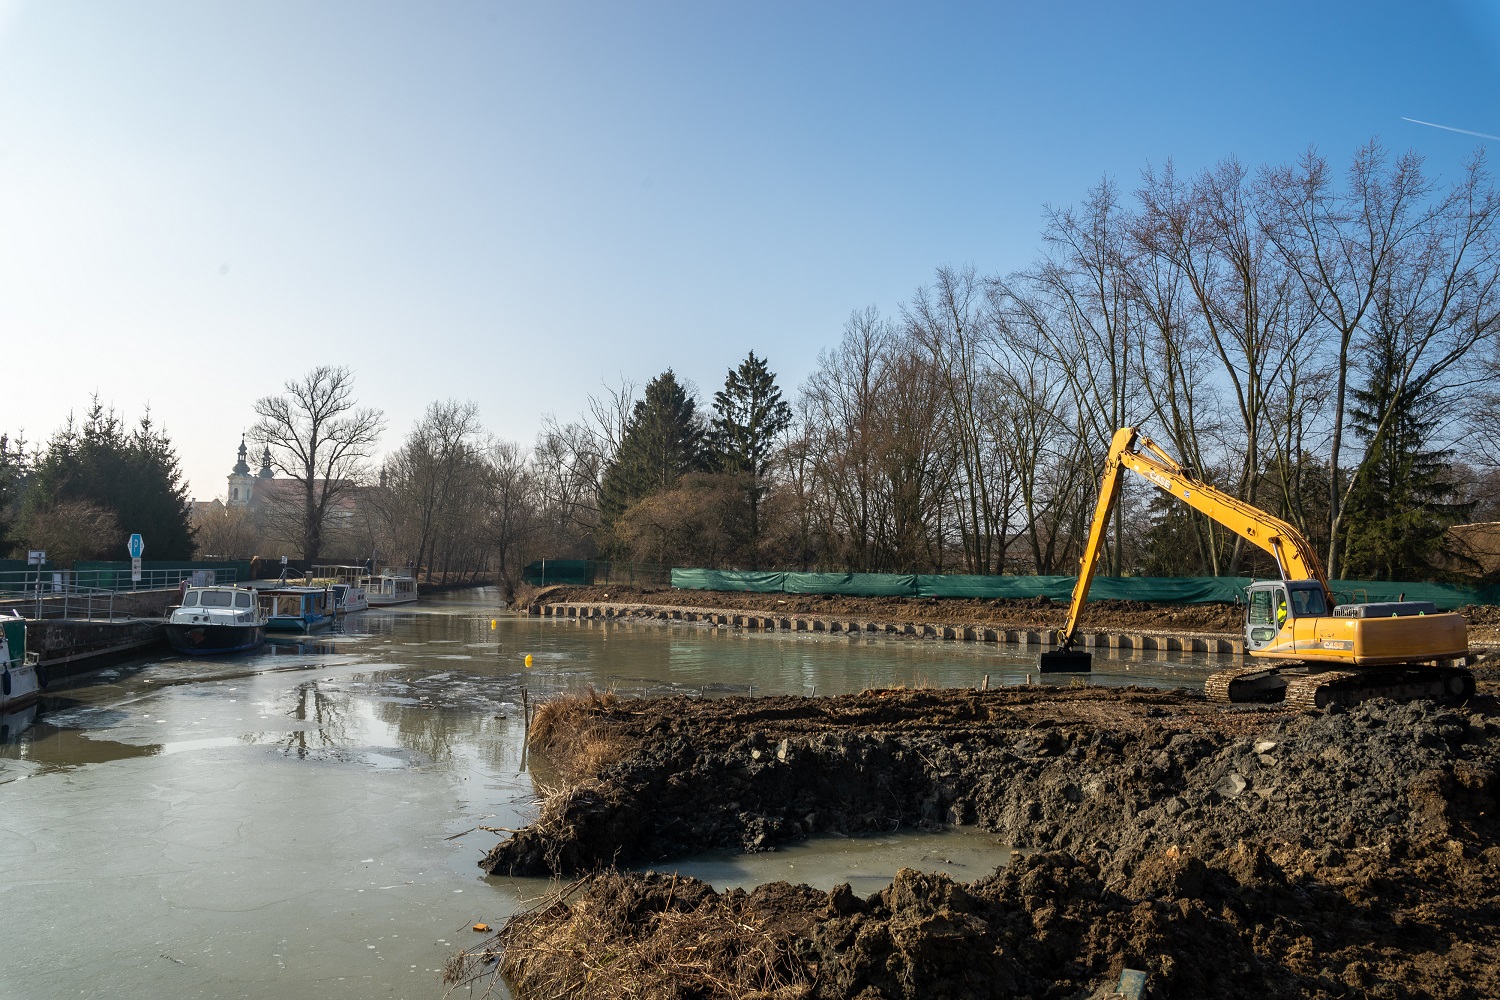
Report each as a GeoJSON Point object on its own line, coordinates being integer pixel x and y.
{"type": "Point", "coordinates": [1349, 687]}
{"type": "Point", "coordinates": [1292, 684]}
{"type": "Point", "coordinates": [1239, 685]}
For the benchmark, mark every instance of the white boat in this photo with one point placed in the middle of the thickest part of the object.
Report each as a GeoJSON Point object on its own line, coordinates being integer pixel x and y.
{"type": "Point", "coordinates": [392, 588]}
{"type": "Point", "coordinates": [351, 587]}
{"type": "Point", "coordinates": [217, 620]}
{"type": "Point", "coordinates": [20, 687]}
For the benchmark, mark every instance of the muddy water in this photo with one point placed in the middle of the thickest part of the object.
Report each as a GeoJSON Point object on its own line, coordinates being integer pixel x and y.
{"type": "Point", "coordinates": [301, 821]}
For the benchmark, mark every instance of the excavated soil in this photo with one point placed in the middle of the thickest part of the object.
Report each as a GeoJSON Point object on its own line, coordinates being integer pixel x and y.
{"type": "Point", "coordinates": [1247, 852]}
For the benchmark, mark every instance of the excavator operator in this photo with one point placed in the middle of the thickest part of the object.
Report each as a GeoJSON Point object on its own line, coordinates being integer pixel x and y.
{"type": "Point", "coordinates": [1280, 608]}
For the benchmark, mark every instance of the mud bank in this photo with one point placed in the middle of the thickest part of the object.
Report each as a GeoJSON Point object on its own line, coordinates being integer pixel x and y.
{"type": "Point", "coordinates": [1216, 620]}
{"type": "Point", "coordinates": [1040, 612]}
{"type": "Point", "coordinates": [1254, 852]}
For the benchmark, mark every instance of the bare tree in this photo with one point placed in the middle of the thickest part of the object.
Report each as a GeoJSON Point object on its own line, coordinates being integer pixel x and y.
{"type": "Point", "coordinates": [322, 440]}
{"type": "Point", "coordinates": [1342, 247]}
{"type": "Point", "coordinates": [513, 520]}
{"type": "Point", "coordinates": [227, 532]}
{"type": "Point", "coordinates": [953, 323]}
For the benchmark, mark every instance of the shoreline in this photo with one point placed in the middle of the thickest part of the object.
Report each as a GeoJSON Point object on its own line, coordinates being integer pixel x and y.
{"type": "Point", "coordinates": [1106, 625]}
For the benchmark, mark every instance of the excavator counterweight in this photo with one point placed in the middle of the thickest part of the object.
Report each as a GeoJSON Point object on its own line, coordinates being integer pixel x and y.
{"type": "Point", "coordinates": [1323, 652]}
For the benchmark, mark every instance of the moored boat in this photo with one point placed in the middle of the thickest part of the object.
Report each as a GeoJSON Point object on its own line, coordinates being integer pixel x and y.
{"type": "Point", "coordinates": [216, 620]}
{"type": "Point", "coordinates": [19, 684]}
{"type": "Point", "coordinates": [389, 588]}
{"type": "Point", "coordinates": [351, 585]}
{"type": "Point", "coordinates": [297, 609]}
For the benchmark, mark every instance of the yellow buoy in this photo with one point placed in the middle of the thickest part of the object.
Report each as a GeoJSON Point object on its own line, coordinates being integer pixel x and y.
{"type": "Point", "coordinates": [528, 659]}
{"type": "Point", "coordinates": [493, 623]}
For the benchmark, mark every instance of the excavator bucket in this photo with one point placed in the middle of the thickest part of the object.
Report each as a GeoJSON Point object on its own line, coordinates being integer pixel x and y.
{"type": "Point", "coordinates": [1067, 661]}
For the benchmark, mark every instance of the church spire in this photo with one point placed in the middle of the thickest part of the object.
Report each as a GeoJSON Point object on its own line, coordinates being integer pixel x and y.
{"type": "Point", "coordinates": [265, 464]}
{"type": "Point", "coordinates": [240, 467]}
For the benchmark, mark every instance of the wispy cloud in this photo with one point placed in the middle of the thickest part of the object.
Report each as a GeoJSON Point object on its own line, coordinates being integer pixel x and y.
{"type": "Point", "coordinates": [1450, 128]}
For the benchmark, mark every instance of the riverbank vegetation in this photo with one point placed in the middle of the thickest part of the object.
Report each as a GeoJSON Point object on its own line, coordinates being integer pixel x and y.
{"type": "Point", "coordinates": [1322, 346]}
{"type": "Point", "coordinates": [1322, 342]}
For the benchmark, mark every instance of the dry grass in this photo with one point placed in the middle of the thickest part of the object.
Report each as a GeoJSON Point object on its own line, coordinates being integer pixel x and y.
{"type": "Point", "coordinates": [574, 734]}
{"type": "Point", "coordinates": [602, 937]}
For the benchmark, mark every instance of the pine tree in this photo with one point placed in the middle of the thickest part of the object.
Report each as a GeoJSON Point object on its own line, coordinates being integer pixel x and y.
{"type": "Point", "coordinates": [663, 442]}
{"type": "Point", "coordinates": [1403, 501]}
{"type": "Point", "coordinates": [133, 475]}
{"type": "Point", "coordinates": [750, 414]}
{"type": "Point", "coordinates": [12, 485]}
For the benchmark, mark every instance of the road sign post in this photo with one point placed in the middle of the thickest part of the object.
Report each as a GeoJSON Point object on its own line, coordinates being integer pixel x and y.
{"type": "Point", "coordinates": [135, 547]}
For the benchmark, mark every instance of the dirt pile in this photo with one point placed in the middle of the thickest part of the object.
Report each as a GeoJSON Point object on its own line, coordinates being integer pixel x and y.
{"type": "Point", "coordinates": [1256, 852]}
{"type": "Point", "coordinates": [1034, 612]}
{"type": "Point", "coordinates": [1244, 923]}
{"type": "Point", "coordinates": [1085, 770]}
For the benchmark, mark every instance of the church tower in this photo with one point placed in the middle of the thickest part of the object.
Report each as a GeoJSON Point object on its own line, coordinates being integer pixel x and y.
{"type": "Point", "coordinates": [240, 481]}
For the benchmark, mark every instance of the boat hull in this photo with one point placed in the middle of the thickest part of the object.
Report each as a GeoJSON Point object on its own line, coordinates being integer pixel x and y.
{"type": "Point", "coordinates": [208, 640]}
{"type": "Point", "coordinates": [20, 684]}
{"type": "Point", "coordinates": [299, 626]}
{"type": "Point", "coordinates": [379, 601]}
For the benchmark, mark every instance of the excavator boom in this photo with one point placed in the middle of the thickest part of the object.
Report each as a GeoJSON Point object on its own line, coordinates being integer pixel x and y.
{"type": "Point", "coordinates": [1129, 449]}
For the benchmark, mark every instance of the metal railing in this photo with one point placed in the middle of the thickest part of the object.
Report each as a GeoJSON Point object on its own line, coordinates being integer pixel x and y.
{"type": "Point", "coordinates": [45, 593]}
{"type": "Point", "coordinates": [69, 603]}
{"type": "Point", "coordinates": [29, 582]}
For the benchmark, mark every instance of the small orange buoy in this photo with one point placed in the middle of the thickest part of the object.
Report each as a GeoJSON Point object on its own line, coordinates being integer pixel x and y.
{"type": "Point", "coordinates": [482, 928]}
{"type": "Point", "coordinates": [528, 659]}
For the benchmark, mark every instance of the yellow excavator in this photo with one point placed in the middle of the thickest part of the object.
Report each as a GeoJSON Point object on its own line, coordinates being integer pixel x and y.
{"type": "Point", "coordinates": [1323, 652]}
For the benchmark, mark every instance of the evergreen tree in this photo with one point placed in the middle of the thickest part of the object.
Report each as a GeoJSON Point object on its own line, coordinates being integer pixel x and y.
{"type": "Point", "coordinates": [663, 441]}
{"type": "Point", "coordinates": [749, 414]}
{"type": "Point", "coordinates": [12, 485]}
{"type": "Point", "coordinates": [1403, 501]}
{"type": "Point", "coordinates": [134, 475]}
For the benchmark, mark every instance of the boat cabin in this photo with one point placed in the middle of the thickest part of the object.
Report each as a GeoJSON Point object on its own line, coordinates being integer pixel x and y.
{"type": "Point", "coordinates": [297, 609]}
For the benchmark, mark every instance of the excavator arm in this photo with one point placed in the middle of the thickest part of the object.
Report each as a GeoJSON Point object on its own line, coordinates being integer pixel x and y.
{"type": "Point", "coordinates": [1129, 449]}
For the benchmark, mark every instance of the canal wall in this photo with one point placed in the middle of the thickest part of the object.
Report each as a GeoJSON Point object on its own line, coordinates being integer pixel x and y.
{"type": "Point", "coordinates": [67, 648]}
{"type": "Point", "coordinates": [1188, 642]}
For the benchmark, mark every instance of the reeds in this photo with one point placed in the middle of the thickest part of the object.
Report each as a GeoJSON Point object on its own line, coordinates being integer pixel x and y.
{"type": "Point", "coordinates": [619, 937]}
{"type": "Point", "coordinates": [574, 732]}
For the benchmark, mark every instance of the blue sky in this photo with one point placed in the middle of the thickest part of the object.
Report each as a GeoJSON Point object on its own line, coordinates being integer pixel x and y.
{"type": "Point", "coordinates": [512, 203]}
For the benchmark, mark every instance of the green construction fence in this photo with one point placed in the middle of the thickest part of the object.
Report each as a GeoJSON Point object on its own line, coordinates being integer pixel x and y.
{"type": "Point", "coordinates": [1161, 590]}
{"type": "Point", "coordinates": [545, 572]}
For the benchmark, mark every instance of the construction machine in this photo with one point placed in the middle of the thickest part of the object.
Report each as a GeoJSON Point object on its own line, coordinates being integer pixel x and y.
{"type": "Point", "coordinates": [1320, 652]}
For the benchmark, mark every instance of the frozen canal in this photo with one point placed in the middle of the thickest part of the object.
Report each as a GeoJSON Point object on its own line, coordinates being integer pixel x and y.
{"type": "Point", "coordinates": [303, 821]}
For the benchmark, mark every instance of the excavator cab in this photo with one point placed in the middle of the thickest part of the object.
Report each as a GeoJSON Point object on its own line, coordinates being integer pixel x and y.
{"type": "Point", "coordinates": [1274, 605]}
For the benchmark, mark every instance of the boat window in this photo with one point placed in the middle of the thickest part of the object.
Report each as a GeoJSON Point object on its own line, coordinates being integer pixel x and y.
{"type": "Point", "coordinates": [215, 599]}
{"type": "Point", "coordinates": [1260, 608]}
{"type": "Point", "coordinates": [289, 605]}
{"type": "Point", "coordinates": [242, 600]}
{"type": "Point", "coordinates": [1309, 603]}
{"type": "Point", "coordinates": [191, 600]}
